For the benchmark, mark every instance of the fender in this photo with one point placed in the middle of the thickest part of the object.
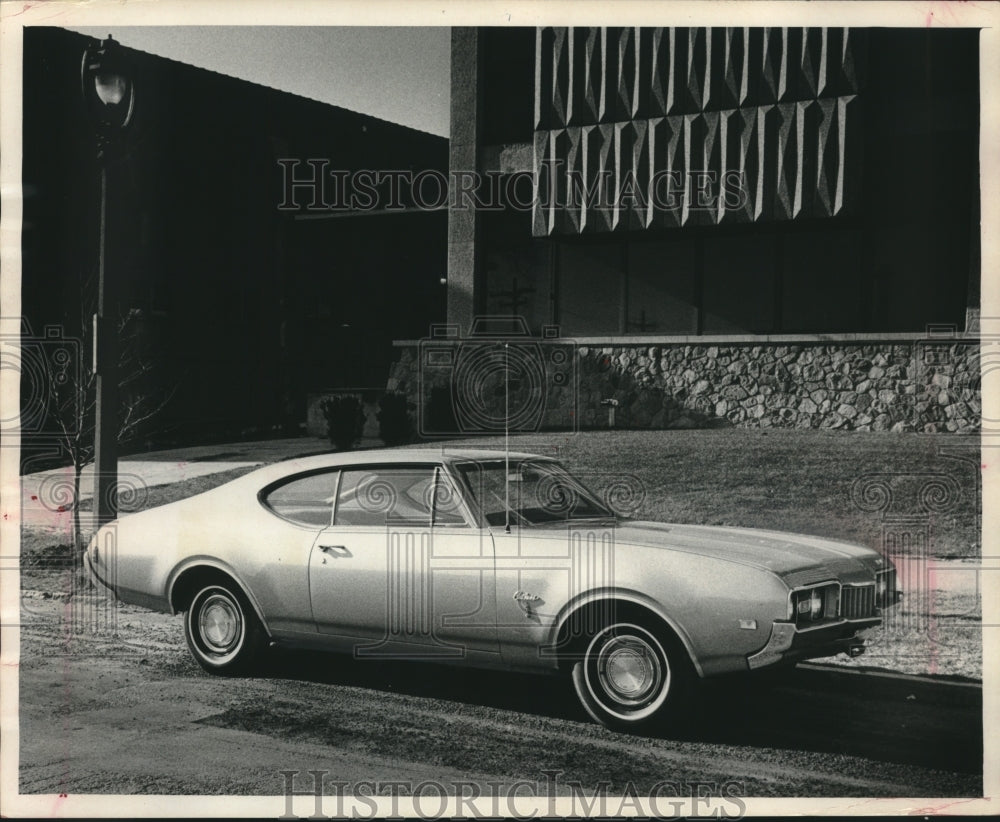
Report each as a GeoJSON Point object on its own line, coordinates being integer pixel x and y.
{"type": "Point", "coordinates": [622, 595]}
{"type": "Point", "coordinates": [209, 562]}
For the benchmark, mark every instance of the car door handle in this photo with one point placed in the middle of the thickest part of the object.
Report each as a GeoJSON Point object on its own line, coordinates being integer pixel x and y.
{"type": "Point", "coordinates": [336, 550]}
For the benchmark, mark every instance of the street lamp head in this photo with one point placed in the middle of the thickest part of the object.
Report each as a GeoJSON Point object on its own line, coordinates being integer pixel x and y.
{"type": "Point", "coordinates": [111, 88]}
{"type": "Point", "coordinates": [108, 89]}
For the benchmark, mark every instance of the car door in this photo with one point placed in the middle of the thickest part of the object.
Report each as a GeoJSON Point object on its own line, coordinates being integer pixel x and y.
{"type": "Point", "coordinates": [302, 506]}
{"type": "Point", "coordinates": [402, 571]}
{"type": "Point", "coordinates": [541, 567]}
{"type": "Point", "coordinates": [539, 572]}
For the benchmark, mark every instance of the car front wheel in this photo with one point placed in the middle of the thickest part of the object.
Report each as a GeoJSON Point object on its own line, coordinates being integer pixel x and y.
{"type": "Point", "coordinates": [629, 679]}
{"type": "Point", "coordinates": [222, 630]}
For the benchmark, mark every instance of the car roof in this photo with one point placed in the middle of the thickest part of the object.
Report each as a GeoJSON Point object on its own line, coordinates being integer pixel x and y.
{"type": "Point", "coordinates": [376, 456]}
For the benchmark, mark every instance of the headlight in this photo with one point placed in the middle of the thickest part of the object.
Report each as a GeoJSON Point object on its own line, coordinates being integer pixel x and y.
{"type": "Point", "coordinates": [886, 588]}
{"type": "Point", "coordinates": [814, 604]}
{"type": "Point", "coordinates": [810, 606]}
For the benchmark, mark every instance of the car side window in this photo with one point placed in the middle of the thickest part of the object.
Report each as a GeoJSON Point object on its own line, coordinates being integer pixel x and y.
{"type": "Point", "coordinates": [447, 503]}
{"type": "Point", "coordinates": [379, 495]}
{"type": "Point", "coordinates": [398, 495]}
{"type": "Point", "coordinates": [305, 500]}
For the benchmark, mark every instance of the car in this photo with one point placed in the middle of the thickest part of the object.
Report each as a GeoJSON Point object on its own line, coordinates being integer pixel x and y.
{"type": "Point", "coordinates": [491, 559]}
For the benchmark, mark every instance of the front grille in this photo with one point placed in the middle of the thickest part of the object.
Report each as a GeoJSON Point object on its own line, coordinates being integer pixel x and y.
{"type": "Point", "coordinates": [857, 601]}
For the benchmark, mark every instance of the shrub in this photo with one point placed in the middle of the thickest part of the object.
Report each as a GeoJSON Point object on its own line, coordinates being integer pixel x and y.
{"type": "Point", "coordinates": [394, 426]}
{"type": "Point", "coordinates": [344, 420]}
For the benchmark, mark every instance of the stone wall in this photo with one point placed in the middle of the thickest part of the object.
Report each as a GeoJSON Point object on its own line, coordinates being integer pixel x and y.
{"type": "Point", "coordinates": [923, 385]}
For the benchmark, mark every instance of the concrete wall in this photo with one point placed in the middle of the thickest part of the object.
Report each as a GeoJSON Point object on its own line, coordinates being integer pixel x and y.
{"type": "Point", "coordinates": [865, 385]}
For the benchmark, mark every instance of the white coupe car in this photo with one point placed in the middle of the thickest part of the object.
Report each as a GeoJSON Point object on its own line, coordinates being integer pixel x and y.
{"type": "Point", "coordinates": [477, 558]}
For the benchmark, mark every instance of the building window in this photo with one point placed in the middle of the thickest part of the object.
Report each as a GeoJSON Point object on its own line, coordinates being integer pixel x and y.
{"type": "Point", "coordinates": [590, 288]}
{"type": "Point", "coordinates": [662, 288]}
{"type": "Point", "coordinates": [823, 287]}
{"type": "Point", "coordinates": [779, 282]}
{"type": "Point", "coordinates": [738, 284]}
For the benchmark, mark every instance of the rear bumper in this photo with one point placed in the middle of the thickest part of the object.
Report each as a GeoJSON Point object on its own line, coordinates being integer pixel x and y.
{"type": "Point", "coordinates": [789, 644]}
{"type": "Point", "coordinates": [101, 578]}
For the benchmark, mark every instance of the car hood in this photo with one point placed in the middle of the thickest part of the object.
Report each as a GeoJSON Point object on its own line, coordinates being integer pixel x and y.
{"type": "Point", "coordinates": [798, 558]}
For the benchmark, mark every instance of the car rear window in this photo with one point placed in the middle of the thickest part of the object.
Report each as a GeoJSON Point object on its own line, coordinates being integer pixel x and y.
{"type": "Point", "coordinates": [305, 500]}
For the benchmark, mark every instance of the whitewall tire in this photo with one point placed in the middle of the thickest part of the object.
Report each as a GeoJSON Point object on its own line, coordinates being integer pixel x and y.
{"type": "Point", "coordinates": [222, 630]}
{"type": "Point", "coordinates": [629, 678]}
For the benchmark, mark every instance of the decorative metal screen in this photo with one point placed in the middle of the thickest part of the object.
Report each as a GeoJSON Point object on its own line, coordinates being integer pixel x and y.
{"type": "Point", "coordinates": [664, 127]}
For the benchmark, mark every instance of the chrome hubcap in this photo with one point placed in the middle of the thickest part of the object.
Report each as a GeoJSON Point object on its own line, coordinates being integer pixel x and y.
{"type": "Point", "coordinates": [629, 670]}
{"type": "Point", "coordinates": [220, 624]}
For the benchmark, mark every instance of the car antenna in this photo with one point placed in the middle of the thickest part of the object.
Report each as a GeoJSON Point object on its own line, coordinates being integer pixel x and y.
{"type": "Point", "coordinates": [506, 436]}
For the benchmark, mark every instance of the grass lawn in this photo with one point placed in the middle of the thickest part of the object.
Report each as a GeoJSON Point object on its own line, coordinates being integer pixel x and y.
{"type": "Point", "coordinates": [788, 480]}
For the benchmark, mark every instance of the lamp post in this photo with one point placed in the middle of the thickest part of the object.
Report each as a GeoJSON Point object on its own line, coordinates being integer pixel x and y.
{"type": "Point", "coordinates": [109, 94]}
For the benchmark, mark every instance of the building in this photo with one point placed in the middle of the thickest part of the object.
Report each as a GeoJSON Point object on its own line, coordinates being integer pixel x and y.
{"type": "Point", "coordinates": [252, 289]}
{"type": "Point", "coordinates": [751, 227]}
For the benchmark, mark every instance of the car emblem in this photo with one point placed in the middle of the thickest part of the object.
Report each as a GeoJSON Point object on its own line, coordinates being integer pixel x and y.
{"type": "Point", "coordinates": [525, 601]}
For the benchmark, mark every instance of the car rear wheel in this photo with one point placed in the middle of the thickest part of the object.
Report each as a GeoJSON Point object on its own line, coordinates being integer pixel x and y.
{"type": "Point", "coordinates": [630, 678]}
{"type": "Point", "coordinates": [223, 632]}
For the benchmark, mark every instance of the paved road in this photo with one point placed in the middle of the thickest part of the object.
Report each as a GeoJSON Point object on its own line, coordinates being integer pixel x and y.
{"type": "Point", "coordinates": [133, 714]}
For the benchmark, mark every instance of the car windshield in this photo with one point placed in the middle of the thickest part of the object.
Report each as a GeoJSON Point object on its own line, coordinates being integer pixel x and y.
{"type": "Point", "coordinates": [538, 492]}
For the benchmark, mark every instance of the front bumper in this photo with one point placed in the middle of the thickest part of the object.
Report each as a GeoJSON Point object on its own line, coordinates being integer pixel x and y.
{"type": "Point", "coordinates": [790, 644]}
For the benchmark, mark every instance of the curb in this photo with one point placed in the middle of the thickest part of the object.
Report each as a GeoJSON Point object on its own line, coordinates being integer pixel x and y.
{"type": "Point", "coordinates": [888, 685]}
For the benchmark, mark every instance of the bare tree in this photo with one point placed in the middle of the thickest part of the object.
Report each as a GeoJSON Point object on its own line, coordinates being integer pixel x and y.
{"type": "Point", "coordinates": [72, 398]}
